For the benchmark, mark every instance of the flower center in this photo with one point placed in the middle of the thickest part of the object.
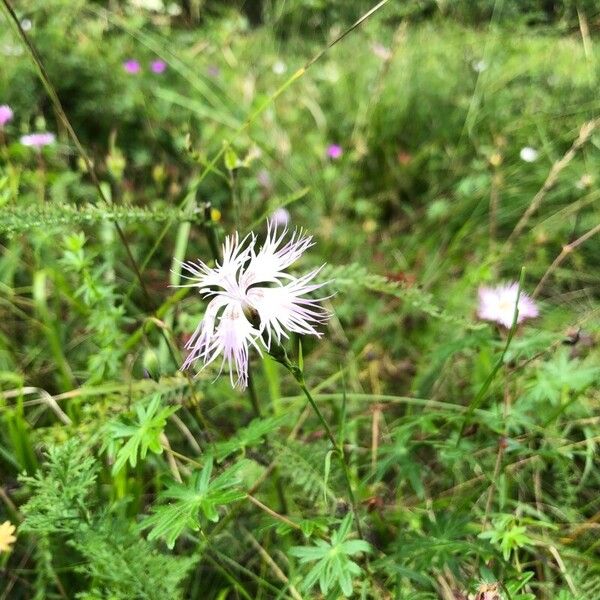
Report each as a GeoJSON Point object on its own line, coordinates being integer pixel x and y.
{"type": "Point", "coordinates": [507, 306]}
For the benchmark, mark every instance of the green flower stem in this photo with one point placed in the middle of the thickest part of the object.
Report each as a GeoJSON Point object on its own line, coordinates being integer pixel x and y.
{"type": "Point", "coordinates": [252, 394]}
{"type": "Point", "coordinates": [280, 355]}
{"type": "Point", "coordinates": [338, 448]}
{"type": "Point", "coordinates": [256, 406]}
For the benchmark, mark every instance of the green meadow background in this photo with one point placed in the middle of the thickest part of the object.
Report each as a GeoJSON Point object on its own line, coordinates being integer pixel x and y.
{"type": "Point", "coordinates": [471, 449]}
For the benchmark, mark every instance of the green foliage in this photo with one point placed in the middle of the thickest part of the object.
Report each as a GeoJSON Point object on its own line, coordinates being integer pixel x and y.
{"type": "Point", "coordinates": [136, 438]}
{"type": "Point", "coordinates": [60, 493]}
{"type": "Point", "coordinates": [248, 437]}
{"type": "Point", "coordinates": [122, 565]}
{"type": "Point", "coordinates": [15, 220]}
{"type": "Point", "coordinates": [108, 552]}
{"type": "Point", "coordinates": [304, 467]}
{"type": "Point", "coordinates": [333, 568]}
{"type": "Point", "coordinates": [508, 534]}
{"type": "Point", "coordinates": [105, 310]}
{"type": "Point", "coordinates": [431, 103]}
{"type": "Point", "coordinates": [562, 380]}
{"type": "Point", "coordinates": [180, 505]}
{"type": "Point", "coordinates": [344, 277]}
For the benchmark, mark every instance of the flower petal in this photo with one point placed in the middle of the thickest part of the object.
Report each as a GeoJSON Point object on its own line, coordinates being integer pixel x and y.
{"type": "Point", "coordinates": [274, 257]}
{"type": "Point", "coordinates": [285, 308]}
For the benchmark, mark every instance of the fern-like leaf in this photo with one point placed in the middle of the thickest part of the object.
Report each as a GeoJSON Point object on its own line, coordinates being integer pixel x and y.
{"type": "Point", "coordinates": [355, 275]}
{"type": "Point", "coordinates": [182, 504]}
{"type": "Point", "coordinates": [142, 435]}
{"type": "Point", "coordinates": [17, 219]}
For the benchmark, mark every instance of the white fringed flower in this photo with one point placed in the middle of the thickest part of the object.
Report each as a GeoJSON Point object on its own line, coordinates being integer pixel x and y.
{"type": "Point", "coordinates": [253, 300]}
{"type": "Point", "coordinates": [235, 253]}
{"type": "Point", "coordinates": [498, 304]}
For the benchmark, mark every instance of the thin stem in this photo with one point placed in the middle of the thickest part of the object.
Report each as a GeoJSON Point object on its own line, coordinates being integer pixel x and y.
{"type": "Point", "coordinates": [585, 132]}
{"type": "Point", "coordinates": [490, 495]}
{"type": "Point", "coordinates": [566, 250]}
{"type": "Point", "coordinates": [252, 394]}
{"type": "Point", "coordinates": [274, 514]}
{"type": "Point", "coordinates": [339, 450]}
{"type": "Point", "coordinates": [256, 407]}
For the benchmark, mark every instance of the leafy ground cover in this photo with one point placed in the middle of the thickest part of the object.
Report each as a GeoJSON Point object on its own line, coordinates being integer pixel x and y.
{"type": "Point", "coordinates": [433, 442]}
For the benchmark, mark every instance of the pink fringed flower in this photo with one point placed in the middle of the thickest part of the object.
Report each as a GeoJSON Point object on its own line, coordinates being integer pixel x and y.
{"type": "Point", "coordinates": [497, 304]}
{"type": "Point", "coordinates": [253, 300]}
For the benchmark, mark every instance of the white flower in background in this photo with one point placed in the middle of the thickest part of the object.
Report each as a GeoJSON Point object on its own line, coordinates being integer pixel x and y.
{"type": "Point", "coordinates": [174, 10]}
{"type": "Point", "coordinates": [479, 66]}
{"type": "Point", "coordinates": [280, 217]}
{"type": "Point", "coordinates": [381, 51]}
{"type": "Point", "coordinates": [26, 25]}
{"type": "Point", "coordinates": [279, 68]}
{"type": "Point", "coordinates": [253, 300]}
{"type": "Point", "coordinates": [498, 304]}
{"type": "Point", "coordinates": [152, 5]}
{"type": "Point", "coordinates": [528, 154]}
{"type": "Point", "coordinates": [585, 181]}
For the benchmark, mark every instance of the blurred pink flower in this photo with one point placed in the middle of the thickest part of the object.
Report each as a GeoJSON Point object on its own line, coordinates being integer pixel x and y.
{"type": "Point", "coordinates": [158, 66]}
{"type": "Point", "coordinates": [38, 140]}
{"type": "Point", "coordinates": [497, 304]}
{"type": "Point", "coordinates": [334, 151]}
{"type": "Point", "coordinates": [6, 114]}
{"type": "Point", "coordinates": [132, 66]}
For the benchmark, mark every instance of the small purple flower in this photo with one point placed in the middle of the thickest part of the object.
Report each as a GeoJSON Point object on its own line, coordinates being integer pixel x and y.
{"type": "Point", "coordinates": [38, 140]}
{"type": "Point", "coordinates": [264, 179]}
{"type": "Point", "coordinates": [132, 66]}
{"type": "Point", "coordinates": [6, 114]}
{"type": "Point", "coordinates": [213, 70]}
{"type": "Point", "coordinates": [280, 217]}
{"type": "Point", "coordinates": [334, 151]}
{"type": "Point", "coordinates": [158, 66]}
